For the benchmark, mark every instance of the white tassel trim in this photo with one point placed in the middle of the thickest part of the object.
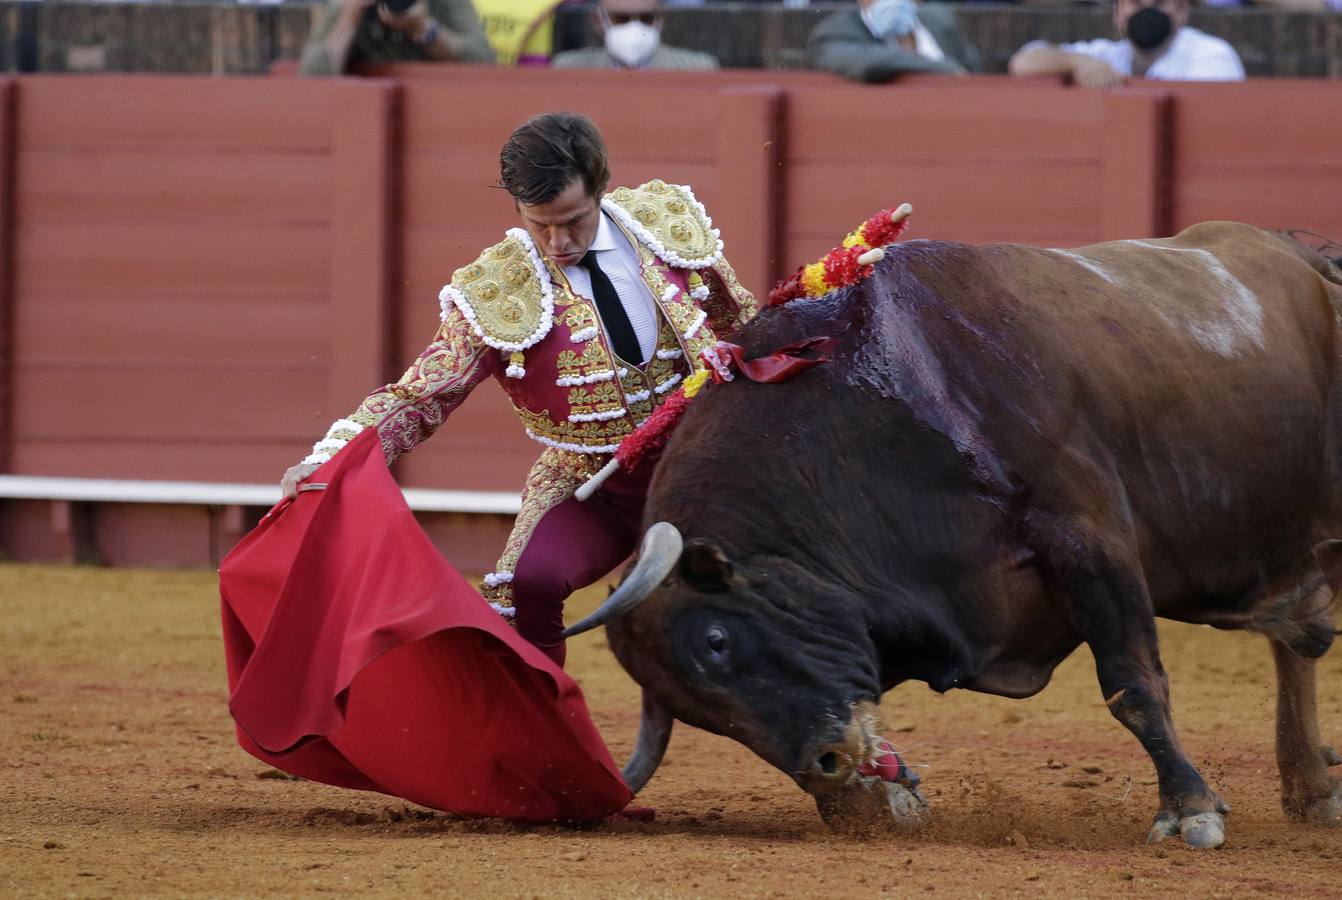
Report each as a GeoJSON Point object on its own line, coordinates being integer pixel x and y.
{"type": "Point", "coordinates": [598, 416]}
{"type": "Point", "coordinates": [315, 459]}
{"type": "Point", "coordinates": [669, 354]}
{"type": "Point", "coordinates": [340, 425]}
{"type": "Point", "coordinates": [450, 295]}
{"type": "Point", "coordinates": [579, 337]}
{"type": "Point", "coordinates": [515, 372]}
{"type": "Point", "coordinates": [638, 396]}
{"type": "Point", "coordinates": [698, 322]}
{"type": "Point", "coordinates": [649, 240]}
{"type": "Point", "coordinates": [572, 448]}
{"type": "Point", "coordinates": [494, 579]}
{"type": "Point", "coordinates": [669, 383]}
{"type": "Point", "coordinates": [669, 294]}
{"type": "Point", "coordinates": [575, 380]}
{"type": "Point", "coordinates": [700, 293]}
{"type": "Point", "coordinates": [506, 611]}
{"type": "Point", "coordinates": [330, 445]}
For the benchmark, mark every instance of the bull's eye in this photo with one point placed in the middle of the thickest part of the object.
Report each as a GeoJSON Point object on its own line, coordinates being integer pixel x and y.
{"type": "Point", "coordinates": [717, 639]}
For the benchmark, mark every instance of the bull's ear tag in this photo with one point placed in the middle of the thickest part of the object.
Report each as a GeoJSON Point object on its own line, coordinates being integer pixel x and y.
{"type": "Point", "coordinates": [705, 567]}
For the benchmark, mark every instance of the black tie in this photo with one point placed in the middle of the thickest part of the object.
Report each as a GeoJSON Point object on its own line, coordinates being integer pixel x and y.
{"type": "Point", "coordinates": [621, 332]}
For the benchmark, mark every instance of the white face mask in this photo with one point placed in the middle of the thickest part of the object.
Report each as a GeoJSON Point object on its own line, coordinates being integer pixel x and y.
{"type": "Point", "coordinates": [632, 43]}
{"type": "Point", "coordinates": [892, 18]}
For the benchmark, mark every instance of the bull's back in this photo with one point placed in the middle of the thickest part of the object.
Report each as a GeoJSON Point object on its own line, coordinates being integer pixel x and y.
{"type": "Point", "coordinates": [1198, 374]}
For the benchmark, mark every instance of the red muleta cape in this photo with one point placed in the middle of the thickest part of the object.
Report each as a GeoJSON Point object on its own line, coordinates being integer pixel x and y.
{"type": "Point", "coordinates": [358, 657]}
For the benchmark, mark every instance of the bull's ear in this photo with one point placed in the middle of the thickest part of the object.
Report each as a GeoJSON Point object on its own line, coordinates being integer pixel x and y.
{"type": "Point", "coordinates": [705, 567]}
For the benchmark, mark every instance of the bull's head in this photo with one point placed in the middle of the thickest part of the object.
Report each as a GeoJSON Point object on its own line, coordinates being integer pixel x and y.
{"type": "Point", "coordinates": [702, 634]}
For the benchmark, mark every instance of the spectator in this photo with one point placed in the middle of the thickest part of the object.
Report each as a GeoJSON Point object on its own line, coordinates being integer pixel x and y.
{"type": "Point", "coordinates": [520, 31]}
{"type": "Point", "coordinates": [880, 39]}
{"type": "Point", "coordinates": [631, 32]}
{"type": "Point", "coordinates": [1157, 44]}
{"type": "Point", "coordinates": [354, 31]}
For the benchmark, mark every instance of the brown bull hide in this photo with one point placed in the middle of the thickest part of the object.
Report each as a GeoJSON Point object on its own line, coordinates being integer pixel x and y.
{"type": "Point", "coordinates": [1013, 451]}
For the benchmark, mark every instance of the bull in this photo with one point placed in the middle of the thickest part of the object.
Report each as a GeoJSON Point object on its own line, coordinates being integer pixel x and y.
{"type": "Point", "coordinates": [1012, 451]}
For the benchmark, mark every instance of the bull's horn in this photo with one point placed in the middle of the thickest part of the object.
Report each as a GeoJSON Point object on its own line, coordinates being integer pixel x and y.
{"type": "Point", "coordinates": [654, 733]}
{"type": "Point", "coordinates": [656, 558]}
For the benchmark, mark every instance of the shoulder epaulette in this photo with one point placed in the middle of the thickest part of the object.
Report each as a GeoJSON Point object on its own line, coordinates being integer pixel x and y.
{"type": "Point", "coordinates": [669, 221]}
{"type": "Point", "coordinates": [505, 294]}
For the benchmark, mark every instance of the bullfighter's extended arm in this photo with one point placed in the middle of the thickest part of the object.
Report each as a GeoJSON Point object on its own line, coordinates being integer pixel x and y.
{"type": "Point", "coordinates": [406, 412]}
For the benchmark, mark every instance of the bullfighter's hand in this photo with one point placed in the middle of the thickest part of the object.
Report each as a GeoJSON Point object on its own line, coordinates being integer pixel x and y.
{"type": "Point", "coordinates": [289, 483]}
{"type": "Point", "coordinates": [1093, 73]}
{"type": "Point", "coordinates": [413, 22]}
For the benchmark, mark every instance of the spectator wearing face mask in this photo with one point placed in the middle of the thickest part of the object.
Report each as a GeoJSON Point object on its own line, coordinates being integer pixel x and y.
{"type": "Point", "coordinates": [631, 32]}
{"type": "Point", "coordinates": [881, 39]}
{"type": "Point", "coordinates": [1156, 43]}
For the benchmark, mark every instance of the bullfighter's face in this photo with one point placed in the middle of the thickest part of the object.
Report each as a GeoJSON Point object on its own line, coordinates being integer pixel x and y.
{"type": "Point", "coordinates": [745, 654]}
{"type": "Point", "coordinates": [563, 228]}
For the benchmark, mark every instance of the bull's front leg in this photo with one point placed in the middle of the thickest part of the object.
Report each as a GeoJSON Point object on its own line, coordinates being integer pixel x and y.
{"type": "Point", "coordinates": [1113, 613]}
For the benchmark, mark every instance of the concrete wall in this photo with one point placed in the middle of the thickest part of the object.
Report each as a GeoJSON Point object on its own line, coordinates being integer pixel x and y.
{"type": "Point", "coordinates": [224, 38]}
{"type": "Point", "coordinates": [198, 274]}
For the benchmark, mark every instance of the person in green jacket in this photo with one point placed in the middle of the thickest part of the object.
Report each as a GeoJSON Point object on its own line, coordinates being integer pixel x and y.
{"type": "Point", "coordinates": [354, 31]}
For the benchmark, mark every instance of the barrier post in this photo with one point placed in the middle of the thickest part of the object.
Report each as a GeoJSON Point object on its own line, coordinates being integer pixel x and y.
{"type": "Point", "coordinates": [7, 190]}
{"type": "Point", "coordinates": [750, 174]}
{"type": "Point", "coordinates": [362, 241]}
{"type": "Point", "coordinates": [1137, 179]}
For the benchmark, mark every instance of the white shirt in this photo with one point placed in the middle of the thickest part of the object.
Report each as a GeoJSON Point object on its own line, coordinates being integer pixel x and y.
{"type": "Point", "coordinates": [1192, 56]}
{"type": "Point", "coordinates": [923, 42]}
{"type": "Point", "coordinates": [619, 260]}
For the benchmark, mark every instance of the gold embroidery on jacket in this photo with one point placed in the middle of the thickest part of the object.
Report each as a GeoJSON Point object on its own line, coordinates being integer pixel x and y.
{"type": "Point", "coordinates": [553, 479]}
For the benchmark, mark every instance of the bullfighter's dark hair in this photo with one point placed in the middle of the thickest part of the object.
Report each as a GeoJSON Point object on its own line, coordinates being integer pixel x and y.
{"type": "Point", "coordinates": [549, 152]}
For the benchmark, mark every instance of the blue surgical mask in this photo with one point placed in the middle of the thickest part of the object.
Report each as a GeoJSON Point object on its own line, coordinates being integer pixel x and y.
{"type": "Point", "coordinates": [891, 18]}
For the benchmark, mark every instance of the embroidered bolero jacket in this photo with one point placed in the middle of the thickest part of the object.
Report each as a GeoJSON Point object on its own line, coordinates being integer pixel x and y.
{"type": "Point", "coordinates": [512, 315]}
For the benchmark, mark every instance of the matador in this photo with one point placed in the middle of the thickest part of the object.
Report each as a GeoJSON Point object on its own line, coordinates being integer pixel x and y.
{"type": "Point", "coordinates": [589, 316]}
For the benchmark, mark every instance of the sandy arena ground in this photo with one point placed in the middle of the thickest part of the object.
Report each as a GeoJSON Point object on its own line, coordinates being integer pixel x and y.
{"type": "Point", "coordinates": [121, 778]}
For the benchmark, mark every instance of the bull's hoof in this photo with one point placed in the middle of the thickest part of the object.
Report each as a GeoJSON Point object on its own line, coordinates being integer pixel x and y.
{"type": "Point", "coordinates": [868, 805]}
{"type": "Point", "coordinates": [1322, 810]}
{"type": "Point", "coordinates": [1200, 831]}
{"type": "Point", "coordinates": [1331, 757]}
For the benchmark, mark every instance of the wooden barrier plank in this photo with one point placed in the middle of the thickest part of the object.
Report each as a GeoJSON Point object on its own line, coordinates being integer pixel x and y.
{"type": "Point", "coordinates": [177, 460]}
{"type": "Point", "coordinates": [80, 258]}
{"type": "Point", "coordinates": [1050, 201]}
{"type": "Point", "coordinates": [173, 331]}
{"type": "Point", "coordinates": [1270, 198]}
{"type": "Point", "coordinates": [1260, 123]}
{"type": "Point", "coordinates": [966, 126]}
{"type": "Point", "coordinates": [747, 204]}
{"type": "Point", "coordinates": [8, 187]}
{"type": "Point", "coordinates": [361, 241]}
{"type": "Point", "coordinates": [96, 405]}
{"type": "Point", "coordinates": [1136, 188]}
{"type": "Point", "coordinates": [162, 112]}
{"type": "Point", "coordinates": [477, 117]}
{"type": "Point", "coordinates": [1268, 154]}
{"type": "Point", "coordinates": [97, 184]}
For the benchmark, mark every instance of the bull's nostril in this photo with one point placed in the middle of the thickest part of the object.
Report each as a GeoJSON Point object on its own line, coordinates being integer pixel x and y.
{"type": "Point", "coordinates": [829, 763]}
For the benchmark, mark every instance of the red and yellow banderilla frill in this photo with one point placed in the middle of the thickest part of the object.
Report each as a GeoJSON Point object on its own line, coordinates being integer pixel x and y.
{"type": "Point", "coordinates": [843, 266]}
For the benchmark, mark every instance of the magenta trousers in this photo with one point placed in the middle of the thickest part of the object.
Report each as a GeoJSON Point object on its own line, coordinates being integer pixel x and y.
{"type": "Point", "coordinates": [573, 545]}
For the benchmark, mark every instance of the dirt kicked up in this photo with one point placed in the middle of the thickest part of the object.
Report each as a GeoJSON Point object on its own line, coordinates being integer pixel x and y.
{"type": "Point", "coordinates": [119, 776]}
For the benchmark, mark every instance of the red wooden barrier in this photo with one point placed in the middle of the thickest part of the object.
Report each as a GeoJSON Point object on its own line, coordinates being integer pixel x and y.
{"type": "Point", "coordinates": [198, 275]}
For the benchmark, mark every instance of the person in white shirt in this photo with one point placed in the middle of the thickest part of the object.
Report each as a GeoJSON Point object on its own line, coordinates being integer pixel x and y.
{"type": "Point", "coordinates": [1156, 43]}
